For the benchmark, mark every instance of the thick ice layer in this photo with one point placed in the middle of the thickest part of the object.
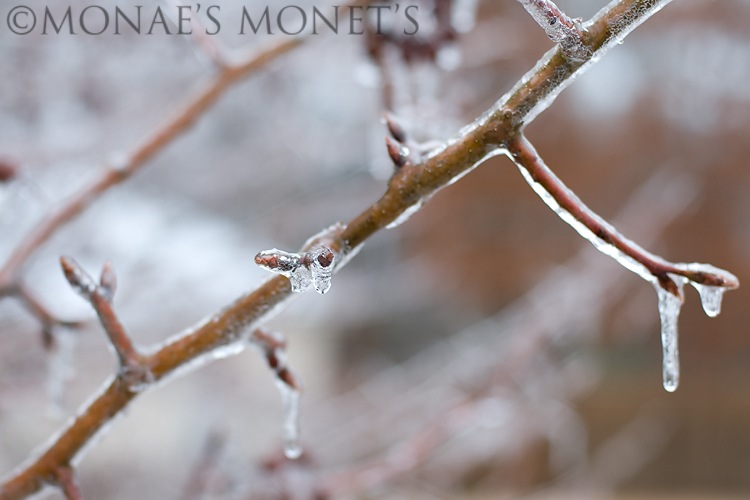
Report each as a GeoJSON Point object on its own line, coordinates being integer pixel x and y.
{"type": "Point", "coordinates": [669, 312]}
{"type": "Point", "coordinates": [314, 268]}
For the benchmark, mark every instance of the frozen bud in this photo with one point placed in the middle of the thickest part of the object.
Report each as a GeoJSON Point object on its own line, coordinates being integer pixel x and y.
{"type": "Point", "coordinates": [398, 152]}
{"type": "Point", "coordinates": [303, 270]}
{"type": "Point", "coordinates": [77, 277]}
{"type": "Point", "coordinates": [395, 129]}
{"type": "Point", "coordinates": [321, 269]}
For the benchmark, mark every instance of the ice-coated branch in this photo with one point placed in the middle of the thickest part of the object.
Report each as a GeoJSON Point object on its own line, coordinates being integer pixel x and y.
{"type": "Point", "coordinates": [602, 234]}
{"type": "Point", "coordinates": [132, 367]}
{"type": "Point", "coordinates": [668, 277]}
{"type": "Point", "coordinates": [561, 29]}
{"type": "Point", "coordinates": [409, 188]}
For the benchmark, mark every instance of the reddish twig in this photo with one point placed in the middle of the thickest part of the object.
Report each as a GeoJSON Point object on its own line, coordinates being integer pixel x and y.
{"type": "Point", "coordinates": [601, 233]}
{"type": "Point", "coordinates": [408, 190]}
{"type": "Point", "coordinates": [273, 346]}
{"type": "Point", "coordinates": [66, 479]}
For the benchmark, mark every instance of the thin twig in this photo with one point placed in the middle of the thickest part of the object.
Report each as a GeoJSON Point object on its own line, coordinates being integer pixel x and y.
{"type": "Point", "coordinates": [408, 189]}
{"type": "Point", "coordinates": [273, 346]}
{"type": "Point", "coordinates": [48, 320]}
{"type": "Point", "coordinates": [600, 232]}
{"type": "Point", "coordinates": [210, 44]}
{"type": "Point", "coordinates": [66, 479]}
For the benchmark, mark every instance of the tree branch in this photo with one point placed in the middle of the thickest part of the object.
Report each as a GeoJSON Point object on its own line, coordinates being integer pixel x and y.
{"type": "Point", "coordinates": [407, 191]}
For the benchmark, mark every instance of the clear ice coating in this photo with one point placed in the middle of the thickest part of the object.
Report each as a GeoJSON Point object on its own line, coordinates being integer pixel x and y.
{"type": "Point", "coordinates": [290, 400]}
{"type": "Point", "coordinates": [321, 269]}
{"type": "Point", "coordinates": [313, 268]}
{"type": "Point", "coordinates": [669, 312]}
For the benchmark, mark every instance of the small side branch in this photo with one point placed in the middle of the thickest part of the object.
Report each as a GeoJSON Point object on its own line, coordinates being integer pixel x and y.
{"type": "Point", "coordinates": [602, 234]}
{"type": "Point", "coordinates": [561, 29]}
{"type": "Point", "coordinates": [274, 348]}
{"type": "Point", "coordinates": [132, 363]}
{"type": "Point", "coordinates": [48, 321]}
{"type": "Point", "coordinates": [67, 481]}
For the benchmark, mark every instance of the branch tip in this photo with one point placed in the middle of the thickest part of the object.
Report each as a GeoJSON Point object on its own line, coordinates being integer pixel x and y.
{"type": "Point", "coordinates": [77, 277]}
{"type": "Point", "coordinates": [398, 153]}
{"type": "Point", "coordinates": [394, 128]}
{"type": "Point", "coordinates": [108, 282]}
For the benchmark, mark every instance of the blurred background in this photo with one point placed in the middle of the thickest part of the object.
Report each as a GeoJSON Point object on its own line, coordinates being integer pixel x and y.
{"type": "Point", "coordinates": [479, 350]}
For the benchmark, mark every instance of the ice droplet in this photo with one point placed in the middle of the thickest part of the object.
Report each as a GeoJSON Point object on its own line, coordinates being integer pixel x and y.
{"type": "Point", "coordinates": [711, 295]}
{"type": "Point", "coordinates": [710, 298]}
{"type": "Point", "coordinates": [290, 400]}
{"type": "Point", "coordinates": [669, 312]}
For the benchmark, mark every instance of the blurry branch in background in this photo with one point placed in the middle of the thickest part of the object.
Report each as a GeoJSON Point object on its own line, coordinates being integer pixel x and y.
{"type": "Point", "coordinates": [408, 190]}
{"type": "Point", "coordinates": [205, 476]}
{"type": "Point", "coordinates": [231, 70]}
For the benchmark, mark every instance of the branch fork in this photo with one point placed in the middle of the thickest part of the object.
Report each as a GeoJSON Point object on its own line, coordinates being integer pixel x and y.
{"type": "Point", "coordinates": [567, 32]}
{"type": "Point", "coordinates": [133, 366]}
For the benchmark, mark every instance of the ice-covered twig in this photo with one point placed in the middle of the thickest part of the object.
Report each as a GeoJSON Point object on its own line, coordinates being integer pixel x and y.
{"type": "Point", "coordinates": [274, 349]}
{"type": "Point", "coordinates": [210, 44]}
{"type": "Point", "coordinates": [273, 346]}
{"type": "Point", "coordinates": [667, 277]}
{"type": "Point", "coordinates": [132, 364]}
{"type": "Point", "coordinates": [561, 29]}
{"type": "Point", "coordinates": [602, 234]}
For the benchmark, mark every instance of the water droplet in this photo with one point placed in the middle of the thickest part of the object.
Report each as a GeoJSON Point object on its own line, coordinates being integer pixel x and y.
{"type": "Point", "coordinates": [290, 400]}
{"type": "Point", "coordinates": [669, 312]}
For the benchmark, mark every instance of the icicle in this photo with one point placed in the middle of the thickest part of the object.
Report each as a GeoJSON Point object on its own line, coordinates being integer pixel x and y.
{"type": "Point", "coordinates": [711, 295]}
{"type": "Point", "coordinates": [669, 312]}
{"type": "Point", "coordinates": [290, 399]}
